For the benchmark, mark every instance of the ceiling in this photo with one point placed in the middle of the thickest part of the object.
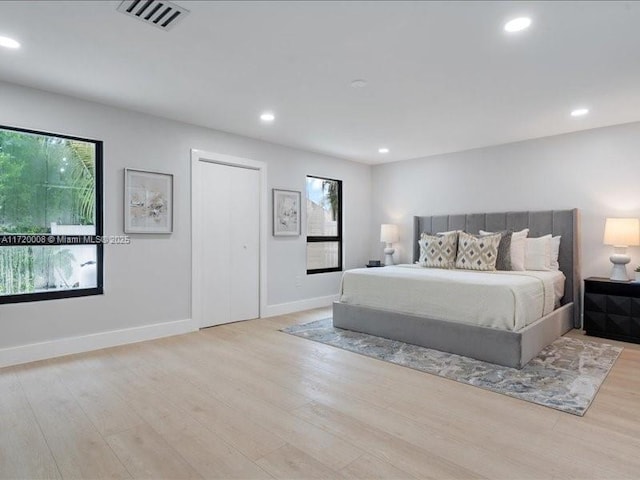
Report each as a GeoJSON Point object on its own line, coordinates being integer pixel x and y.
{"type": "Point", "coordinates": [441, 76]}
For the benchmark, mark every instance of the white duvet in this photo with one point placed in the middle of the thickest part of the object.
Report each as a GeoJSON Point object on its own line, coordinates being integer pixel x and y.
{"type": "Point", "coordinates": [504, 300]}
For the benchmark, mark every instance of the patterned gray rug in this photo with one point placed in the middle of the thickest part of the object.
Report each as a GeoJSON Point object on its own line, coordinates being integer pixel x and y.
{"type": "Point", "coordinates": [566, 375]}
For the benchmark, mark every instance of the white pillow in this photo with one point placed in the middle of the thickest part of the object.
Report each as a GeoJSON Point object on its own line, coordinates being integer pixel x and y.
{"type": "Point", "coordinates": [517, 248]}
{"type": "Point", "coordinates": [538, 253]}
{"type": "Point", "coordinates": [555, 252]}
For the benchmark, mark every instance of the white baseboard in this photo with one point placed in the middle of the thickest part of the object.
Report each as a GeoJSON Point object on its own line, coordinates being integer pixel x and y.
{"type": "Point", "coordinates": [95, 341]}
{"type": "Point", "coordinates": [291, 307]}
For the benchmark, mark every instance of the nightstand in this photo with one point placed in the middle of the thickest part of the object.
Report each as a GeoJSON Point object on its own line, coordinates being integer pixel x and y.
{"type": "Point", "coordinates": [612, 309]}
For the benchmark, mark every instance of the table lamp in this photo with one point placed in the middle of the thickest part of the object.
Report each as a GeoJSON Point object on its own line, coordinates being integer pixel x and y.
{"type": "Point", "coordinates": [621, 233]}
{"type": "Point", "coordinates": [388, 235]}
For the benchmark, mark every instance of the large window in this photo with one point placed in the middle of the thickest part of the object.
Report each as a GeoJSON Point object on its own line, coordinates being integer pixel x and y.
{"type": "Point", "coordinates": [324, 225]}
{"type": "Point", "coordinates": [50, 216]}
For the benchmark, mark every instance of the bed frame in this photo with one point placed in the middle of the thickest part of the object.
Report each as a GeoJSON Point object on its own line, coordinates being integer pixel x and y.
{"type": "Point", "coordinates": [503, 347]}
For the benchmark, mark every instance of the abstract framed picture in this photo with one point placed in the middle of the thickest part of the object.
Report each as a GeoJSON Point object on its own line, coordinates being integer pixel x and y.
{"type": "Point", "coordinates": [148, 202]}
{"type": "Point", "coordinates": [286, 213]}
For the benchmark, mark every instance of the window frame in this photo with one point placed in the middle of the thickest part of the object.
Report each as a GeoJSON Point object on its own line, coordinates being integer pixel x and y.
{"type": "Point", "coordinates": [18, 240]}
{"type": "Point", "coordinates": [324, 238]}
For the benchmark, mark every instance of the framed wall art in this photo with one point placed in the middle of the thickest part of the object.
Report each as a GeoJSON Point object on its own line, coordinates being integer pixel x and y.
{"type": "Point", "coordinates": [148, 202]}
{"type": "Point", "coordinates": [286, 213]}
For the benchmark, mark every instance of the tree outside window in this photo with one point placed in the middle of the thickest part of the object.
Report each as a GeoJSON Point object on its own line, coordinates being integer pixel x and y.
{"type": "Point", "coordinates": [50, 216]}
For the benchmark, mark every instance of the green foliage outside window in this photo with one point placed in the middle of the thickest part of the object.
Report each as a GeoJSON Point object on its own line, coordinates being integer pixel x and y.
{"type": "Point", "coordinates": [43, 180]}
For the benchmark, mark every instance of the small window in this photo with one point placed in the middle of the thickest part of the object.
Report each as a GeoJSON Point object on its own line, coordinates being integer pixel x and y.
{"type": "Point", "coordinates": [324, 225]}
{"type": "Point", "coordinates": [50, 216]}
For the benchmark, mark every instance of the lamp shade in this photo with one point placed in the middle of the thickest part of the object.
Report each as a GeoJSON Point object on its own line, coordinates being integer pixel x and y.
{"type": "Point", "coordinates": [388, 233]}
{"type": "Point", "coordinates": [623, 232]}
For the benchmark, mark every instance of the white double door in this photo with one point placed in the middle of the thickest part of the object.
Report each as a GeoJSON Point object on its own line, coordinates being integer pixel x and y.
{"type": "Point", "coordinates": [226, 240]}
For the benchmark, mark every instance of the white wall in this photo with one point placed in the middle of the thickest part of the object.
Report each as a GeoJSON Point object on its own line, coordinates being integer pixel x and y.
{"type": "Point", "coordinates": [148, 281]}
{"type": "Point", "coordinates": [596, 171]}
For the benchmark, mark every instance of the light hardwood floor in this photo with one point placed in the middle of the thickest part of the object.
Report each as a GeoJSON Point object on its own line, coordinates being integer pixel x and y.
{"type": "Point", "coordinates": [247, 401]}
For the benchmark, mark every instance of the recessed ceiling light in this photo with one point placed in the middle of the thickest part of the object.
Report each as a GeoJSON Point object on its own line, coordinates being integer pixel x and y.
{"type": "Point", "coordinates": [579, 112]}
{"type": "Point", "coordinates": [9, 43]}
{"type": "Point", "coordinates": [383, 150]}
{"type": "Point", "coordinates": [267, 117]}
{"type": "Point", "coordinates": [359, 83]}
{"type": "Point", "coordinates": [517, 24]}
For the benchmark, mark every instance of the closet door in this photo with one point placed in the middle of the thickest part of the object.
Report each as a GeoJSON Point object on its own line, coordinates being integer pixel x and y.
{"type": "Point", "coordinates": [244, 222]}
{"type": "Point", "coordinates": [228, 239]}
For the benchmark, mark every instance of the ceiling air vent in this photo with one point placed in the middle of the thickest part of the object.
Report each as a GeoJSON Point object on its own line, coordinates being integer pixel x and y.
{"type": "Point", "coordinates": [159, 13]}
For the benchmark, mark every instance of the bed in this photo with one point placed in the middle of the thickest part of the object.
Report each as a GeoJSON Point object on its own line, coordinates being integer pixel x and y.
{"type": "Point", "coordinates": [382, 312]}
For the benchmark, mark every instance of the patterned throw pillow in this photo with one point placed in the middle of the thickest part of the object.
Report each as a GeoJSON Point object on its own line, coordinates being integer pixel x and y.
{"type": "Point", "coordinates": [504, 249]}
{"type": "Point", "coordinates": [477, 253]}
{"type": "Point", "coordinates": [438, 251]}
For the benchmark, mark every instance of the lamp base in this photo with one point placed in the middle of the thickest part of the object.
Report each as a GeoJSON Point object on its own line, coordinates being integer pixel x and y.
{"type": "Point", "coordinates": [619, 270]}
{"type": "Point", "coordinates": [388, 255]}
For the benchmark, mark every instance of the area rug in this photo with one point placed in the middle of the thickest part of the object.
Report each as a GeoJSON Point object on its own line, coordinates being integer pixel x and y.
{"type": "Point", "coordinates": [566, 375]}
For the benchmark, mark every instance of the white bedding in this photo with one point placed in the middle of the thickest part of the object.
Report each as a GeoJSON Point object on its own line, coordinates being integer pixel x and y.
{"type": "Point", "coordinates": [504, 300]}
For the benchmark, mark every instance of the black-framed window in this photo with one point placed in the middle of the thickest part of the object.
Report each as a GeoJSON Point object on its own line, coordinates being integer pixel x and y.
{"type": "Point", "coordinates": [324, 224]}
{"type": "Point", "coordinates": [50, 216]}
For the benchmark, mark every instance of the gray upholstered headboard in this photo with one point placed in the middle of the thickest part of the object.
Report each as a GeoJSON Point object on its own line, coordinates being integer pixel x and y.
{"type": "Point", "coordinates": [556, 222]}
